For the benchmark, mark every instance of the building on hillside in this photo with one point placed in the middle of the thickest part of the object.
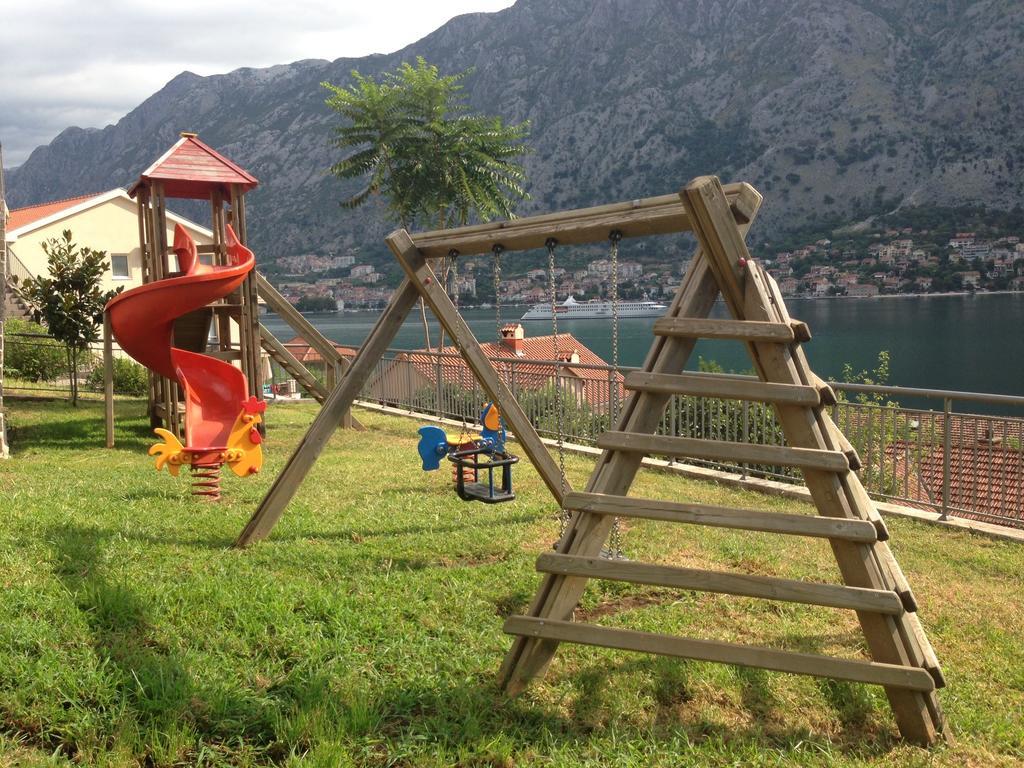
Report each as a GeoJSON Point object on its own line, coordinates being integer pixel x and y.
{"type": "Point", "coordinates": [584, 376]}
{"type": "Point", "coordinates": [108, 221]}
{"type": "Point", "coordinates": [788, 286]}
{"type": "Point", "coordinates": [862, 290]}
{"type": "Point", "coordinates": [970, 279]}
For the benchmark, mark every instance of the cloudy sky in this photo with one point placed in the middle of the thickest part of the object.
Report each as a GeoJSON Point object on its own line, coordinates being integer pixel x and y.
{"type": "Point", "coordinates": [88, 62]}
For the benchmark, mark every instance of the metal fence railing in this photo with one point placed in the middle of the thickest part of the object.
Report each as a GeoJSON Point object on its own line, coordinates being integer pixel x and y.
{"type": "Point", "coordinates": [36, 365]}
{"type": "Point", "coordinates": [943, 458]}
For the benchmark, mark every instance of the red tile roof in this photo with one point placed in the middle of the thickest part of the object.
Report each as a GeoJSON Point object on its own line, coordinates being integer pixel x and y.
{"type": "Point", "coordinates": [22, 216]}
{"type": "Point", "coordinates": [595, 387]}
{"type": "Point", "coordinates": [305, 353]}
{"type": "Point", "coordinates": [986, 481]}
{"type": "Point", "coordinates": [193, 169]}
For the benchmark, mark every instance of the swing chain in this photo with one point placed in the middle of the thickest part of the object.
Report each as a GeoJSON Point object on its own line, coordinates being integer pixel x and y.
{"type": "Point", "coordinates": [615, 236]}
{"type": "Point", "coordinates": [497, 249]}
{"type": "Point", "coordinates": [563, 515]}
{"type": "Point", "coordinates": [453, 276]}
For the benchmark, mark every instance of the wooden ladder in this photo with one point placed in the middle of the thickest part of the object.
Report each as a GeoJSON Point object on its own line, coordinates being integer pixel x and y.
{"type": "Point", "coordinates": [280, 354]}
{"type": "Point", "coordinates": [874, 586]}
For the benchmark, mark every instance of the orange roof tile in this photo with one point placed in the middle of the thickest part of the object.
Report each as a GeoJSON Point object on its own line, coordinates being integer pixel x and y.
{"type": "Point", "coordinates": [21, 216]}
{"type": "Point", "coordinates": [986, 481]}
{"type": "Point", "coordinates": [595, 388]}
{"type": "Point", "coordinates": [192, 169]}
{"type": "Point", "coordinates": [304, 352]}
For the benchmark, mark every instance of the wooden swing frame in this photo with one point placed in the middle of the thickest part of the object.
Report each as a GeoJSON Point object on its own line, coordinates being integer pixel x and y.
{"type": "Point", "coordinates": [902, 660]}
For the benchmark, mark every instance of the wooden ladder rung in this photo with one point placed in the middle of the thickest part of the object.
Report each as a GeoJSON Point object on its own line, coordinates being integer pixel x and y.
{"type": "Point", "coordinates": [724, 517]}
{"type": "Point", "coordinates": [741, 330]}
{"type": "Point", "coordinates": [723, 450]}
{"type": "Point", "coordinates": [765, 587]}
{"type": "Point", "coordinates": [725, 387]}
{"type": "Point", "coordinates": [892, 675]}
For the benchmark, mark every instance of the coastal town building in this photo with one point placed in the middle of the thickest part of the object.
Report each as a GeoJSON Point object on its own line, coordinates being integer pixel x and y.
{"type": "Point", "coordinates": [411, 374]}
{"type": "Point", "coordinates": [107, 222]}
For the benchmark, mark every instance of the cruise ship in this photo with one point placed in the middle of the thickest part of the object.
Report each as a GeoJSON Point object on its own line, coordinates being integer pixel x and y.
{"type": "Point", "coordinates": [571, 309]}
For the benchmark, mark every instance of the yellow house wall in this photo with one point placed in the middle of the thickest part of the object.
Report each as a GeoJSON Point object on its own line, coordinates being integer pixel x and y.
{"type": "Point", "coordinates": [111, 226]}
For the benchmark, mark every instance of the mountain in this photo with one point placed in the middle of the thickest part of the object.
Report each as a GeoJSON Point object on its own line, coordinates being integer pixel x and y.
{"type": "Point", "coordinates": [835, 110]}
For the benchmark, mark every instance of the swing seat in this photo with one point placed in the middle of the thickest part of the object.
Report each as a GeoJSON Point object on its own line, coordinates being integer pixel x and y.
{"type": "Point", "coordinates": [481, 463]}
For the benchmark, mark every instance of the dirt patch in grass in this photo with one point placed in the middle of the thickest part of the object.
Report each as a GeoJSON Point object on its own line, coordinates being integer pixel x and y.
{"type": "Point", "coordinates": [625, 603]}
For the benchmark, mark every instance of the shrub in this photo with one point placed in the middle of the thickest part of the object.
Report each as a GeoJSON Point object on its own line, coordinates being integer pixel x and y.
{"type": "Point", "coordinates": [130, 378]}
{"type": "Point", "coordinates": [32, 354]}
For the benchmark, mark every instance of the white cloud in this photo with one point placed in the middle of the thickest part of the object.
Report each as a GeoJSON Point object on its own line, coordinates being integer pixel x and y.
{"type": "Point", "coordinates": [88, 62]}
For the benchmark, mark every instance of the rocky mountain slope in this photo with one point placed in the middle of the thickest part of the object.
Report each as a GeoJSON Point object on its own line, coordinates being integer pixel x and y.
{"type": "Point", "coordinates": [830, 108]}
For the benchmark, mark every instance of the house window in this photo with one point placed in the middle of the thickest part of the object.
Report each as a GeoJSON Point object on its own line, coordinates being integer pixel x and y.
{"type": "Point", "coordinates": [206, 258]}
{"type": "Point", "coordinates": [119, 266]}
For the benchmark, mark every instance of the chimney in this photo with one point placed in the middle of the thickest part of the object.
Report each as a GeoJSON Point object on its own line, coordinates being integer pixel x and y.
{"type": "Point", "coordinates": [513, 338]}
{"type": "Point", "coordinates": [568, 356]}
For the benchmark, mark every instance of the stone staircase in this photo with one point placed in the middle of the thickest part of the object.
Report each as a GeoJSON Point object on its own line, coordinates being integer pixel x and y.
{"type": "Point", "coordinates": [14, 307]}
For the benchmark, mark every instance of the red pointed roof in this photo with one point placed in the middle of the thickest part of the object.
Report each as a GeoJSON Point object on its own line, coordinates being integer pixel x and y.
{"type": "Point", "coordinates": [21, 216]}
{"type": "Point", "coordinates": [192, 169]}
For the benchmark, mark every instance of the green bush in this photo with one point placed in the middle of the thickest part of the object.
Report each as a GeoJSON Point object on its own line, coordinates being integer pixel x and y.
{"type": "Point", "coordinates": [130, 378]}
{"type": "Point", "coordinates": [31, 354]}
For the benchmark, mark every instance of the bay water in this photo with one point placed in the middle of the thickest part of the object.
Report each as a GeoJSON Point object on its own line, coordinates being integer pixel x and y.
{"type": "Point", "coordinates": [963, 342]}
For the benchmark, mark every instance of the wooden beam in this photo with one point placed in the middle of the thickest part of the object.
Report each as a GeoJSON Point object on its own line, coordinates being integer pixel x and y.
{"type": "Point", "coordinates": [722, 517]}
{"type": "Point", "coordinates": [328, 352]}
{"type": "Point", "coordinates": [723, 450]}
{"type": "Point", "coordinates": [712, 328]}
{"type": "Point", "coordinates": [327, 420]}
{"type": "Point", "coordinates": [908, 625]}
{"type": "Point", "coordinates": [747, 585]}
{"type": "Point", "coordinates": [638, 218]}
{"type": "Point", "coordinates": [748, 298]}
{"type": "Point", "coordinates": [558, 596]}
{"type": "Point", "coordinates": [725, 387]}
{"type": "Point", "coordinates": [108, 378]}
{"type": "Point", "coordinates": [893, 675]}
{"type": "Point", "coordinates": [419, 273]}
{"type": "Point", "coordinates": [302, 374]}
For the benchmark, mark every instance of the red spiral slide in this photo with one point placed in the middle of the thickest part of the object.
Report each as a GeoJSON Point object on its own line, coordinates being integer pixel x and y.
{"type": "Point", "coordinates": [216, 405]}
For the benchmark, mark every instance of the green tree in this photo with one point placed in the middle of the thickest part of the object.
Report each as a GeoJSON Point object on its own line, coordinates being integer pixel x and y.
{"type": "Point", "coordinates": [32, 354]}
{"type": "Point", "coordinates": [69, 300]}
{"type": "Point", "coordinates": [316, 304]}
{"type": "Point", "coordinates": [410, 136]}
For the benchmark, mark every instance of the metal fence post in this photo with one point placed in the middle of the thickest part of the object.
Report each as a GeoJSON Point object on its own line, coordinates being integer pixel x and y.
{"type": "Point", "coordinates": [408, 385]}
{"type": "Point", "coordinates": [746, 435]}
{"type": "Point", "coordinates": [437, 395]}
{"type": "Point", "coordinates": [947, 446]}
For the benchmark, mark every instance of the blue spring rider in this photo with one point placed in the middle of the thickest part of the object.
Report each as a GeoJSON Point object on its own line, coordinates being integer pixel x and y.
{"type": "Point", "coordinates": [471, 459]}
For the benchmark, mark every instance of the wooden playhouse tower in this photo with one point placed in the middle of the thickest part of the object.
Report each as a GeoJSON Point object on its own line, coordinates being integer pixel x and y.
{"type": "Point", "coordinates": [194, 171]}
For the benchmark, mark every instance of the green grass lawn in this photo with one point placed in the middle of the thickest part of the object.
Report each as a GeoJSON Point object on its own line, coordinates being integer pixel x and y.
{"type": "Point", "coordinates": [367, 629]}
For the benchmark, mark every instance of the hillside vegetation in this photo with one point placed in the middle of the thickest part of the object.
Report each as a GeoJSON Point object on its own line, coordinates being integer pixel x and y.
{"type": "Point", "coordinates": [834, 110]}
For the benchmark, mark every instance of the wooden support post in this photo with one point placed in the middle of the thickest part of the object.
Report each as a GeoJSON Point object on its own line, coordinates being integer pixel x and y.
{"type": "Point", "coordinates": [330, 355]}
{"type": "Point", "coordinates": [108, 379]}
{"type": "Point", "coordinates": [587, 532]}
{"type": "Point", "coordinates": [418, 271]}
{"type": "Point", "coordinates": [327, 420]}
{"type": "Point", "coordinates": [750, 299]}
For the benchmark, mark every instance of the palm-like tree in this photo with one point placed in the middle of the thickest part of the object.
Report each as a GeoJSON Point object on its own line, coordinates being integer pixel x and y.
{"type": "Point", "coordinates": [410, 137]}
